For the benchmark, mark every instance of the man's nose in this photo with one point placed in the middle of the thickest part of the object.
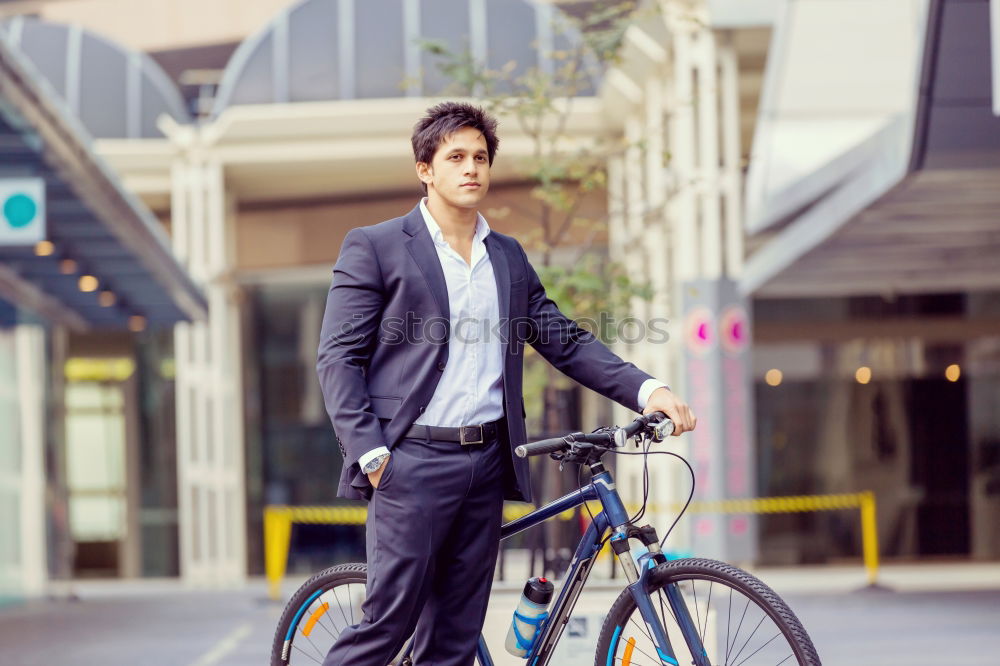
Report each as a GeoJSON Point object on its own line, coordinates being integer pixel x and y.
{"type": "Point", "coordinates": [471, 167]}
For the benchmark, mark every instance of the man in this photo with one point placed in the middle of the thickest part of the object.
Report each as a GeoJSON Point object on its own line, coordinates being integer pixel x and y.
{"type": "Point", "coordinates": [428, 409]}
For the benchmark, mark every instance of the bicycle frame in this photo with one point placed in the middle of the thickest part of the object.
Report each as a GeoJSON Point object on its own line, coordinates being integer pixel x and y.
{"type": "Point", "coordinates": [613, 516]}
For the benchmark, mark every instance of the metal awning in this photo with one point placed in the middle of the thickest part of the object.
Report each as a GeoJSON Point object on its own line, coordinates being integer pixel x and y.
{"type": "Point", "coordinates": [102, 229]}
{"type": "Point", "coordinates": [908, 206]}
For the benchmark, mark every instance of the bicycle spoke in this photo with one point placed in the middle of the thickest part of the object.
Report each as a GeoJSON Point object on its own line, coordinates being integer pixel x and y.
{"type": "Point", "coordinates": [729, 622]}
{"type": "Point", "coordinates": [759, 649]}
{"type": "Point", "coordinates": [311, 643]}
{"type": "Point", "coordinates": [323, 619]}
{"type": "Point", "coordinates": [736, 637]}
{"type": "Point", "coordinates": [337, 597]}
{"type": "Point", "coordinates": [318, 661]}
{"type": "Point", "coordinates": [669, 609]}
{"type": "Point", "coordinates": [708, 607]}
{"type": "Point", "coordinates": [696, 612]}
{"type": "Point", "coordinates": [637, 648]}
{"type": "Point", "coordinates": [326, 618]}
{"type": "Point", "coordinates": [642, 629]}
{"type": "Point", "coordinates": [749, 638]}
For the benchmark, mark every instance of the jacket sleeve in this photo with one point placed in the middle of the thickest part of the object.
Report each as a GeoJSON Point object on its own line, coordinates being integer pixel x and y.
{"type": "Point", "coordinates": [351, 323]}
{"type": "Point", "coordinates": [576, 352]}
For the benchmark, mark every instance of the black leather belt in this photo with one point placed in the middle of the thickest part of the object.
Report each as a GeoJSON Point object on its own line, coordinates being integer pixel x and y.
{"type": "Point", "coordinates": [465, 435]}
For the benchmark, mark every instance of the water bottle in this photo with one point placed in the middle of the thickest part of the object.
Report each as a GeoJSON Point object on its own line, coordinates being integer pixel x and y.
{"type": "Point", "coordinates": [529, 615]}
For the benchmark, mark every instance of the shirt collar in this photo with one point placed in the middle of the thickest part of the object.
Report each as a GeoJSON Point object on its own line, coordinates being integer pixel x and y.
{"type": "Point", "coordinates": [482, 227]}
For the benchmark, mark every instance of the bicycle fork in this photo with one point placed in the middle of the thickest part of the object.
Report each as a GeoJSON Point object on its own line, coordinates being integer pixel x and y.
{"type": "Point", "coordinates": [638, 574]}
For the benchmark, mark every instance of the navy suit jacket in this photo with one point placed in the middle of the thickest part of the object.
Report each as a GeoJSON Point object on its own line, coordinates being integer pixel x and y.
{"type": "Point", "coordinates": [384, 343]}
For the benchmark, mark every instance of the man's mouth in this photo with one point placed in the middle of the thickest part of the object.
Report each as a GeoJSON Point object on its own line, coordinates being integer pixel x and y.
{"type": "Point", "coordinates": [470, 184]}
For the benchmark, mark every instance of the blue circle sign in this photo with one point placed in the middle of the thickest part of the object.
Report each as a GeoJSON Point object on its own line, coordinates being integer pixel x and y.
{"type": "Point", "coordinates": [19, 210]}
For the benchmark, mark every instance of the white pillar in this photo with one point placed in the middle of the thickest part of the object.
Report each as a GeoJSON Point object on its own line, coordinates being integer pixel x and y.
{"type": "Point", "coordinates": [658, 355]}
{"type": "Point", "coordinates": [708, 155]}
{"type": "Point", "coordinates": [23, 369]}
{"type": "Point", "coordinates": [210, 468]}
{"type": "Point", "coordinates": [617, 244]}
{"type": "Point", "coordinates": [683, 205]}
{"type": "Point", "coordinates": [732, 198]}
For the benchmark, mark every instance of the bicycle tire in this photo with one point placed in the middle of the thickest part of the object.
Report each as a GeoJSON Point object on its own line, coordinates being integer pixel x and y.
{"type": "Point", "coordinates": [341, 575]}
{"type": "Point", "coordinates": [612, 639]}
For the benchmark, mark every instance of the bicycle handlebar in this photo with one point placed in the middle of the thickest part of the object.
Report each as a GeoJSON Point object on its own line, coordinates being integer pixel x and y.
{"type": "Point", "coordinates": [607, 438]}
{"type": "Point", "coordinates": [543, 446]}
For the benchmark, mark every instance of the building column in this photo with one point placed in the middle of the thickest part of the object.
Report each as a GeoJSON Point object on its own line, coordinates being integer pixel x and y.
{"type": "Point", "coordinates": [23, 560]}
{"type": "Point", "coordinates": [210, 465]}
{"type": "Point", "coordinates": [687, 214]}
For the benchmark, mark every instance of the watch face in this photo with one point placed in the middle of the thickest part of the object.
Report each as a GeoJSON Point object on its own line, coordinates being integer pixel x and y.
{"type": "Point", "coordinates": [375, 463]}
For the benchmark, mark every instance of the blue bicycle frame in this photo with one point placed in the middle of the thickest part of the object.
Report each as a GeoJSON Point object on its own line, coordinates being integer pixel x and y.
{"type": "Point", "coordinates": [614, 517]}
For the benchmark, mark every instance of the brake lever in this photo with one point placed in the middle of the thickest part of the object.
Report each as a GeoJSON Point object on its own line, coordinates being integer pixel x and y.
{"type": "Point", "coordinates": [576, 453]}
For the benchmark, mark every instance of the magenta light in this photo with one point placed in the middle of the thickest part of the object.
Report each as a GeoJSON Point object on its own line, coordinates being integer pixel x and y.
{"type": "Point", "coordinates": [736, 332]}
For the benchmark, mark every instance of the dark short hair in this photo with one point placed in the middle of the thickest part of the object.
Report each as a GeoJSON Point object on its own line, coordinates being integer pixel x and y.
{"type": "Point", "coordinates": [446, 118]}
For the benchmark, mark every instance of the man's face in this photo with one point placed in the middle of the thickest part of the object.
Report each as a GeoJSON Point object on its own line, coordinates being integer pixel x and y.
{"type": "Point", "coordinates": [459, 172]}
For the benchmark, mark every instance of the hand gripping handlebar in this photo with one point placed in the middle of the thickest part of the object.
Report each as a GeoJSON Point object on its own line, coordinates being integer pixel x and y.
{"type": "Point", "coordinates": [662, 427]}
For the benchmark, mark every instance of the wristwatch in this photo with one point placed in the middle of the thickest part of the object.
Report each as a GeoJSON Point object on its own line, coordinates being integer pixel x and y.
{"type": "Point", "coordinates": [374, 463]}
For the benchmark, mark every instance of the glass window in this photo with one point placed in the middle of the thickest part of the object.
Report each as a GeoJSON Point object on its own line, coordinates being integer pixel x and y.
{"type": "Point", "coordinates": [379, 63]}
{"type": "Point", "coordinates": [510, 36]}
{"type": "Point", "coordinates": [313, 62]}
{"type": "Point", "coordinates": [102, 88]}
{"type": "Point", "coordinates": [292, 455]}
{"type": "Point", "coordinates": [446, 21]}
{"type": "Point", "coordinates": [255, 84]}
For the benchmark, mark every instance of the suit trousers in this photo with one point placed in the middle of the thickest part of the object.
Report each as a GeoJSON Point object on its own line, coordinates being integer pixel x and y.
{"type": "Point", "coordinates": [432, 538]}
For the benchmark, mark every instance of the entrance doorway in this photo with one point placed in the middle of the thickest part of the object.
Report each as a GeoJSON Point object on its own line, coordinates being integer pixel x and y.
{"type": "Point", "coordinates": [99, 419]}
{"type": "Point", "coordinates": [938, 414]}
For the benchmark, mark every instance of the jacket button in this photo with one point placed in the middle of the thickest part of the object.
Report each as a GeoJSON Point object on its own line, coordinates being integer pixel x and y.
{"type": "Point", "coordinates": [421, 409]}
{"type": "Point", "coordinates": [441, 366]}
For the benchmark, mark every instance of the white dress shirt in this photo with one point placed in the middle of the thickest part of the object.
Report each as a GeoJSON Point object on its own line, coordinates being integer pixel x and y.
{"type": "Point", "coordinates": [470, 390]}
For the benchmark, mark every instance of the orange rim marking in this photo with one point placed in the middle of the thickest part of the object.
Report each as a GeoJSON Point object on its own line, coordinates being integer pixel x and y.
{"type": "Point", "coordinates": [314, 618]}
{"type": "Point", "coordinates": [627, 658]}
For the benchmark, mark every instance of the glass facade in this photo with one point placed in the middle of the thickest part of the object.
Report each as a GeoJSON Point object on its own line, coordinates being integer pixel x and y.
{"type": "Point", "coordinates": [902, 408]}
{"type": "Point", "coordinates": [292, 454]}
{"type": "Point", "coordinates": [158, 518]}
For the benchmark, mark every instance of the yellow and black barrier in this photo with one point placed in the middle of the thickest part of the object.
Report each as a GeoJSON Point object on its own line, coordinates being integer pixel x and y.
{"type": "Point", "coordinates": [278, 522]}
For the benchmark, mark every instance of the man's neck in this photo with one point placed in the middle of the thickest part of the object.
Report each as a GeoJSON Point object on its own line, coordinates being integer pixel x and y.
{"type": "Point", "coordinates": [455, 222]}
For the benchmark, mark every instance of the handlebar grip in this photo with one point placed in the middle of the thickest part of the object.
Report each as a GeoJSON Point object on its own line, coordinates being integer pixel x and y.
{"type": "Point", "coordinates": [642, 421]}
{"type": "Point", "coordinates": [542, 446]}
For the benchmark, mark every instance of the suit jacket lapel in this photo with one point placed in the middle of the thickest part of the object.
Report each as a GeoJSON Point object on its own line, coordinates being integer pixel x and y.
{"type": "Point", "coordinates": [421, 246]}
{"type": "Point", "coordinates": [501, 270]}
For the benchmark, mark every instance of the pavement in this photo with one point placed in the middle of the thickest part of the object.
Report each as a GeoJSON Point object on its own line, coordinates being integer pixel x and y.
{"type": "Point", "coordinates": [924, 614]}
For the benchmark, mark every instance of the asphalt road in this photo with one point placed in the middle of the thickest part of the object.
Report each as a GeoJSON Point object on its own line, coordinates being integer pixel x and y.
{"type": "Point", "coordinates": [196, 628]}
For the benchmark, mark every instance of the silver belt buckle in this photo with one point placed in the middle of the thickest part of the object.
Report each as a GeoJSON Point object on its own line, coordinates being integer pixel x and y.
{"type": "Point", "coordinates": [466, 442]}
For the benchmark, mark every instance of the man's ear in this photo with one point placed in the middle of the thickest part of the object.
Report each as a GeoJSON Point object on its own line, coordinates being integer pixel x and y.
{"type": "Point", "coordinates": [424, 172]}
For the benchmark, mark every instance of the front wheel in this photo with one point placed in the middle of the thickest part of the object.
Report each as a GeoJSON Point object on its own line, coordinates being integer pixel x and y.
{"type": "Point", "coordinates": [738, 619]}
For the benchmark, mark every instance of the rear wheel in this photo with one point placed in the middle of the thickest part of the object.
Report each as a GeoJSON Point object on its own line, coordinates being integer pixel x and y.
{"type": "Point", "coordinates": [317, 613]}
{"type": "Point", "coordinates": [739, 620]}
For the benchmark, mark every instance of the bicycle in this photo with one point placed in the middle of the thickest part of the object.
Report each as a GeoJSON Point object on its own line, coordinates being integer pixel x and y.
{"type": "Point", "coordinates": [660, 603]}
